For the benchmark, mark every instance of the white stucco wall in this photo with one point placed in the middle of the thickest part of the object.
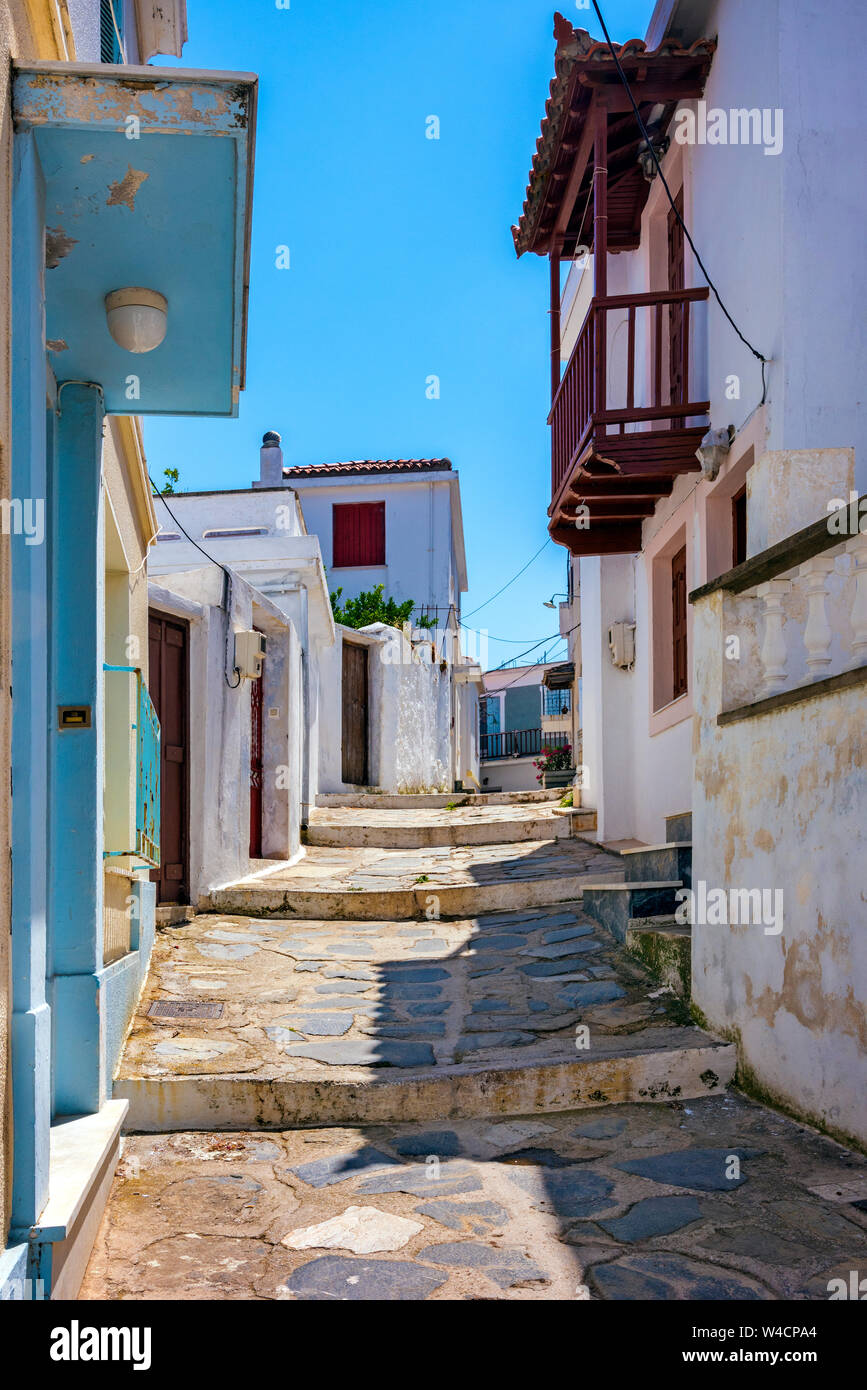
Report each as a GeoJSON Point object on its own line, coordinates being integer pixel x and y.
{"type": "Point", "coordinates": [409, 715]}
{"type": "Point", "coordinates": [781, 803]}
{"type": "Point", "coordinates": [220, 729]}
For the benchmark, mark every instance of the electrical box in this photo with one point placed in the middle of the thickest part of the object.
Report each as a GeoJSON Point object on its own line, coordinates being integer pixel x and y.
{"type": "Point", "coordinates": [249, 654]}
{"type": "Point", "coordinates": [621, 644]}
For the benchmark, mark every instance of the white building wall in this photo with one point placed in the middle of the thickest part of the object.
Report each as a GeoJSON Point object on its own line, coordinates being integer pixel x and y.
{"type": "Point", "coordinates": [419, 549]}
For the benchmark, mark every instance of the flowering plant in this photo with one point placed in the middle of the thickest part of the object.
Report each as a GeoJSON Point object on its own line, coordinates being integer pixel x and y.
{"type": "Point", "coordinates": [554, 760]}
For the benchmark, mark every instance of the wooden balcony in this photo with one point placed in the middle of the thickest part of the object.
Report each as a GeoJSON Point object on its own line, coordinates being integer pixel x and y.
{"type": "Point", "coordinates": [623, 421]}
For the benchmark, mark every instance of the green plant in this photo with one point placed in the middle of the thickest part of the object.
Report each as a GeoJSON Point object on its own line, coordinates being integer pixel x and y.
{"type": "Point", "coordinates": [370, 607]}
{"type": "Point", "coordinates": [172, 476]}
{"type": "Point", "coordinates": [423, 878]}
{"type": "Point", "coordinates": [554, 760]}
{"type": "Point", "coordinates": [566, 801]}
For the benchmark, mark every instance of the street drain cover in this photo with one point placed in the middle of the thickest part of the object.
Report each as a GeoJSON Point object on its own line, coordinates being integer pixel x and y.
{"type": "Point", "coordinates": [184, 1008]}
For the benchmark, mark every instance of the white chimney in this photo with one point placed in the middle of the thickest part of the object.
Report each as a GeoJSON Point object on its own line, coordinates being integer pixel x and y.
{"type": "Point", "coordinates": [270, 461]}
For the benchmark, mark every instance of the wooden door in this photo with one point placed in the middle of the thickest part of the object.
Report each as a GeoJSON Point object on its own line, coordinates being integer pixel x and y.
{"type": "Point", "coordinates": [678, 613]}
{"type": "Point", "coordinates": [355, 686]}
{"type": "Point", "coordinates": [168, 648]}
{"type": "Point", "coordinates": [676, 281]}
{"type": "Point", "coordinates": [256, 768]}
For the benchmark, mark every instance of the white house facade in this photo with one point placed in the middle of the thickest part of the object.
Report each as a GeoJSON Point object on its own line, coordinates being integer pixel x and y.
{"type": "Point", "coordinates": [696, 450]}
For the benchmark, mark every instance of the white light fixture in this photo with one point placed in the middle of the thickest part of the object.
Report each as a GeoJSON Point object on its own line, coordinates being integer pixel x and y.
{"type": "Point", "coordinates": [137, 318]}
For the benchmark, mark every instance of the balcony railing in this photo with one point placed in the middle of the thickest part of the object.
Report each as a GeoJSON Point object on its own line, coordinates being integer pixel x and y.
{"type": "Point", "coordinates": [629, 375]}
{"type": "Point", "coordinates": [520, 743]}
{"type": "Point", "coordinates": [146, 731]}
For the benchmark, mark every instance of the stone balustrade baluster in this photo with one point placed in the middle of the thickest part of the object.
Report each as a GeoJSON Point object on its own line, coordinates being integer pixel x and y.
{"type": "Point", "coordinates": [773, 653]}
{"type": "Point", "coordinates": [857, 548]}
{"type": "Point", "coordinates": [817, 632]}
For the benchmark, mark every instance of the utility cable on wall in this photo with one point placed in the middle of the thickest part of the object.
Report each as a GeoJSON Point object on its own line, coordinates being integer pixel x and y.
{"type": "Point", "coordinates": [643, 128]}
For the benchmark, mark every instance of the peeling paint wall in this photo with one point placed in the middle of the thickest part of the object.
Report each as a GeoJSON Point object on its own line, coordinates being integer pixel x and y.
{"type": "Point", "coordinates": [780, 802]}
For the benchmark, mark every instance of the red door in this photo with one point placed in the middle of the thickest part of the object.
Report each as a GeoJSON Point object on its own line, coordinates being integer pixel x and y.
{"type": "Point", "coordinates": [168, 646]}
{"type": "Point", "coordinates": [256, 768]}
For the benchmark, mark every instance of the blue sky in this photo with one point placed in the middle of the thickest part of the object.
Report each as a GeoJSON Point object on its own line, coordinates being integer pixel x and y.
{"type": "Point", "coordinates": [401, 263]}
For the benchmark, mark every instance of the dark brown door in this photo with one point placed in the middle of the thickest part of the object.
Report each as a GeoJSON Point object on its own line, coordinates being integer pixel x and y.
{"type": "Point", "coordinates": [739, 526]}
{"type": "Point", "coordinates": [256, 768]}
{"type": "Point", "coordinates": [678, 612]}
{"type": "Point", "coordinates": [676, 281]}
{"type": "Point", "coordinates": [168, 647]}
{"type": "Point", "coordinates": [354, 714]}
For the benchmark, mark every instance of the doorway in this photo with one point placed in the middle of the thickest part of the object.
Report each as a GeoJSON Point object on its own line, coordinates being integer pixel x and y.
{"type": "Point", "coordinates": [256, 767]}
{"type": "Point", "coordinates": [168, 651]}
{"type": "Point", "coordinates": [355, 715]}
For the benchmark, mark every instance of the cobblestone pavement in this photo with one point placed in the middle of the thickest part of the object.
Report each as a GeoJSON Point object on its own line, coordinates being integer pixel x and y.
{"type": "Point", "coordinates": [718, 1198]}
{"type": "Point", "coordinates": [446, 866]}
{"type": "Point", "coordinates": [308, 999]}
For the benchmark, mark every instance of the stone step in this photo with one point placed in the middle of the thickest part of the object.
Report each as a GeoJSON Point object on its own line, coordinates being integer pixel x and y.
{"type": "Point", "coordinates": [359, 834]}
{"type": "Point", "coordinates": [429, 901]}
{"type": "Point", "coordinates": [421, 801]}
{"type": "Point", "coordinates": [656, 1069]}
{"type": "Point", "coordinates": [664, 947]}
{"type": "Point", "coordinates": [679, 827]}
{"type": "Point", "coordinates": [614, 905]}
{"type": "Point", "coordinates": [651, 863]}
{"type": "Point", "coordinates": [254, 1022]}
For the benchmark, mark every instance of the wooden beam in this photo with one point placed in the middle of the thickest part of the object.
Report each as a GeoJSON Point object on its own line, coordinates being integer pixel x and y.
{"type": "Point", "coordinates": [583, 151]}
{"type": "Point", "coordinates": [555, 317]}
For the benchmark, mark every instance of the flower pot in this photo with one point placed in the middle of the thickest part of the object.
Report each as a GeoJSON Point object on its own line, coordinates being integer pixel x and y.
{"type": "Point", "coordinates": [563, 777]}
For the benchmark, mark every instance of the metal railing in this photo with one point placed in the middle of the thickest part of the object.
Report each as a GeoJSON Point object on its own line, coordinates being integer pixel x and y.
{"type": "Point", "coordinates": [519, 743]}
{"type": "Point", "coordinates": [147, 781]}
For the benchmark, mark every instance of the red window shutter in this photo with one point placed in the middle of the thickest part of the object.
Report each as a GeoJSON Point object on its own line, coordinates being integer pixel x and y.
{"type": "Point", "coordinates": [358, 534]}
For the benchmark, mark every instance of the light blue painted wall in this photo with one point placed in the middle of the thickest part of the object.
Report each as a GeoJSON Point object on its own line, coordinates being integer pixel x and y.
{"type": "Point", "coordinates": [31, 1019]}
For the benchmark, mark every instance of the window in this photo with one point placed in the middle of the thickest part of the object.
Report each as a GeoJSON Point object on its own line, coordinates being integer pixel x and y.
{"type": "Point", "coordinates": [556, 703]}
{"type": "Point", "coordinates": [489, 714]}
{"type": "Point", "coordinates": [739, 526]}
{"type": "Point", "coordinates": [678, 627]}
{"type": "Point", "coordinates": [239, 531]}
{"type": "Point", "coordinates": [110, 31]}
{"type": "Point", "coordinates": [358, 536]}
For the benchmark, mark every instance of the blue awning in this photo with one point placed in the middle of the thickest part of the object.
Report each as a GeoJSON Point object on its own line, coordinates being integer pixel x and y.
{"type": "Point", "coordinates": [148, 183]}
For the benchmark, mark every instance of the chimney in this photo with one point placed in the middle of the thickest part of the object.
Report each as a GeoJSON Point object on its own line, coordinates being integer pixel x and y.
{"type": "Point", "coordinates": [270, 461]}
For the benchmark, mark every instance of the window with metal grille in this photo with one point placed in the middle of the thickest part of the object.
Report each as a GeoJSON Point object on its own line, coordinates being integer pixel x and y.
{"type": "Point", "coordinates": [678, 615]}
{"type": "Point", "coordinates": [110, 31]}
{"type": "Point", "coordinates": [358, 535]}
{"type": "Point", "coordinates": [556, 702]}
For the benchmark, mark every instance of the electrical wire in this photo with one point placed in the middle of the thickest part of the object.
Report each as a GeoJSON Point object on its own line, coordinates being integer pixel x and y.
{"type": "Point", "coordinates": [547, 541]}
{"type": "Point", "coordinates": [643, 128]}
{"type": "Point", "coordinates": [227, 582]}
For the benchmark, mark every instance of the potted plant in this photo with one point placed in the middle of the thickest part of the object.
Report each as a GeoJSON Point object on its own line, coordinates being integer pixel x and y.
{"type": "Point", "coordinates": [555, 767]}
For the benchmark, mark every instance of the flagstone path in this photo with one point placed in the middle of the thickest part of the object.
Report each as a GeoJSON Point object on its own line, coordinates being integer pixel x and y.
{"type": "Point", "coordinates": [716, 1198]}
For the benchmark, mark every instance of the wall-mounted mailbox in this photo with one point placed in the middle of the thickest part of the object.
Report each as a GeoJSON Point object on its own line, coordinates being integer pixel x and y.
{"type": "Point", "coordinates": [73, 716]}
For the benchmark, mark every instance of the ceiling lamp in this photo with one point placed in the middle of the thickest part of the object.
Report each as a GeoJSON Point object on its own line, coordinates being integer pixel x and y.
{"type": "Point", "coordinates": [137, 318]}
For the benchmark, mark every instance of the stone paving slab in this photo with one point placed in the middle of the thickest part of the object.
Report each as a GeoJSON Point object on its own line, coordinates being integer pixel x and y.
{"type": "Point", "coordinates": [710, 1199]}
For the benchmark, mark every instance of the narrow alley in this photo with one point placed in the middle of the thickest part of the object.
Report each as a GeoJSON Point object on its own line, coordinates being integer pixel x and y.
{"type": "Point", "coordinates": [450, 1082]}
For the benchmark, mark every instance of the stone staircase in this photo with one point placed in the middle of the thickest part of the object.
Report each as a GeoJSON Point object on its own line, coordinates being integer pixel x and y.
{"type": "Point", "coordinates": [639, 911]}
{"type": "Point", "coordinates": [372, 984]}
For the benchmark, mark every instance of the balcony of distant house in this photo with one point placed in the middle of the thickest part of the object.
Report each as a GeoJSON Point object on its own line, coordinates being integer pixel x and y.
{"type": "Point", "coordinates": [627, 414]}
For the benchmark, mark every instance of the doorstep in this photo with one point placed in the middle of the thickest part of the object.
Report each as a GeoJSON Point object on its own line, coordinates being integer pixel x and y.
{"type": "Point", "coordinates": [83, 1155]}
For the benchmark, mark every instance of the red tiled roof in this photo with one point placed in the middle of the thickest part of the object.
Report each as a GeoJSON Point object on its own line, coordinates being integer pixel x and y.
{"type": "Point", "coordinates": [331, 470]}
{"type": "Point", "coordinates": [578, 60]}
